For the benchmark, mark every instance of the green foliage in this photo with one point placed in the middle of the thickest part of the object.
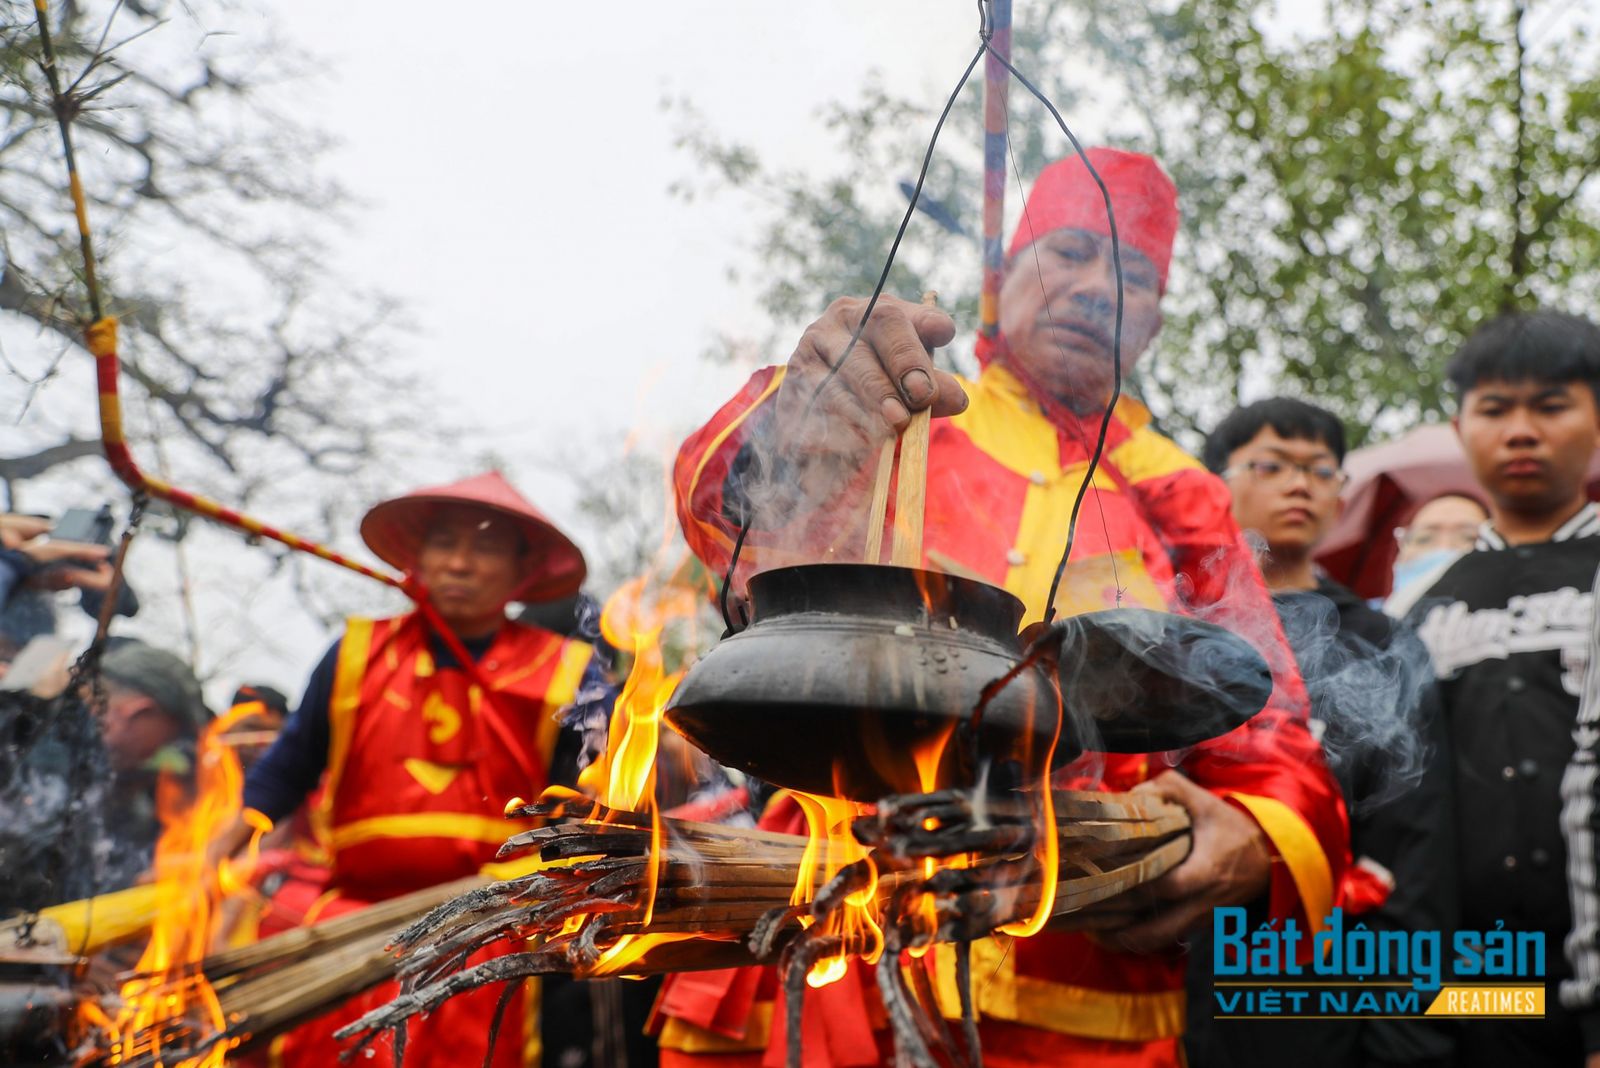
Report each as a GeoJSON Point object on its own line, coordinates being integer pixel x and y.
{"type": "Point", "coordinates": [1359, 189]}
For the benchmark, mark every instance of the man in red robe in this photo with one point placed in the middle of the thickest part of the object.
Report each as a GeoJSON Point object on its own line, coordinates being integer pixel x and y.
{"type": "Point", "coordinates": [418, 753]}
{"type": "Point", "coordinates": [1008, 453]}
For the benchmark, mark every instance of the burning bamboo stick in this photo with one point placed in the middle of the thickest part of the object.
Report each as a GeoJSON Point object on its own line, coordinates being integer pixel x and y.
{"type": "Point", "coordinates": [301, 942]}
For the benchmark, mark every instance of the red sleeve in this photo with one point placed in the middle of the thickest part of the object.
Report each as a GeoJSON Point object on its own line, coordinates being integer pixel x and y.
{"type": "Point", "coordinates": [829, 525]}
{"type": "Point", "coordinates": [1271, 767]}
{"type": "Point", "coordinates": [701, 471]}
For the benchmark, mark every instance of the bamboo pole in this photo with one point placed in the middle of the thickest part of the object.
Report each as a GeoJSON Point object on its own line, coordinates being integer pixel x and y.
{"type": "Point", "coordinates": [91, 924]}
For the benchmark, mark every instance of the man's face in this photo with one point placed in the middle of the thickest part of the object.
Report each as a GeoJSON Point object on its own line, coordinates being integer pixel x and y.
{"type": "Point", "coordinates": [1285, 488]}
{"type": "Point", "coordinates": [1529, 443]}
{"type": "Point", "coordinates": [471, 563]}
{"type": "Point", "coordinates": [1058, 308]}
{"type": "Point", "coordinates": [134, 727]}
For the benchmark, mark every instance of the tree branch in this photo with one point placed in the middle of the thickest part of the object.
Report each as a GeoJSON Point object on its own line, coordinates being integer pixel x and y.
{"type": "Point", "coordinates": [20, 468]}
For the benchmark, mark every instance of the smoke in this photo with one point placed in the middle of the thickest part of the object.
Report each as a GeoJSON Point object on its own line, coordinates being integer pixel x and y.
{"type": "Point", "coordinates": [53, 770]}
{"type": "Point", "coordinates": [805, 498]}
{"type": "Point", "coordinates": [1368, 699]}
{"type": "Point", "coordinates": [1364, 692]}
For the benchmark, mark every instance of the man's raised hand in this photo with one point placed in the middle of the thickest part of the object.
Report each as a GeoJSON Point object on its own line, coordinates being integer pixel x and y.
{"type": "Point", "coordinates": [888, 375]}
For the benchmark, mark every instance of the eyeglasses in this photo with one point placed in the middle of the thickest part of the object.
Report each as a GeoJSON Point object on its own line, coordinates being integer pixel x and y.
{"type": "Point", "coordinates": [1322, 475]}
{"type": "Point", "coordinates": [1460, 536]}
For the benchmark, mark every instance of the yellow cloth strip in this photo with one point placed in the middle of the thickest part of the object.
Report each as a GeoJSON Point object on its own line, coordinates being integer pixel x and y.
{"type": "Point", "coordinates": [1079, 1010]}
{"type": "Point", "coordinates": [102, 336]}
{"type": "Point", "coordinates": [687, 1038]}
{"type": "Point", "coordinates": [79, 208]}
{"type": "Point", "coordinates": [716, 443]}
{"type": "Point", "coordinates": [1060, 1007]}
{"type": "Point", "coordinates": [1147, 455]}
{"type": "Point", "coordinates": [343, 706]}
{"type": "Point", "coordinates": [1297, 844]}
{"type": "Point", "coordinates": [575, 656]}
{"type": "Point", "coordinates": [111, 420]}
{"type": "Point", "coordinates": [491, 829]}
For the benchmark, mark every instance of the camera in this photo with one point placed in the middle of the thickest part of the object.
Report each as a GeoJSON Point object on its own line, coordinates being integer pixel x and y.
{"type": "Point", "coordinates": [87, 525]}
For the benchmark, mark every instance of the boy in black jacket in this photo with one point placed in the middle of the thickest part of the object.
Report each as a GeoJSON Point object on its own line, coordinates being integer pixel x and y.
{"type": "Point", "coordinates": [1509, 627]}
{"type": "Point", "coordinates": [1375, 712]}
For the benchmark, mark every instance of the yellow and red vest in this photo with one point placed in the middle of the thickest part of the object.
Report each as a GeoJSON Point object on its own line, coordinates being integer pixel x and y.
{"type": "Point", "coordinates": [420, 765]}
{"type": "Point", "coordinates": [1155, 530]}
{"type": "Point", "coordinates": [421, 761]}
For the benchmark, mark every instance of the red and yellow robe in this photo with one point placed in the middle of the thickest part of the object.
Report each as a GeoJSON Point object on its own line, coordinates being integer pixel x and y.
{"type": "Point", "coordinates": [420, 765]}
{"type": "Point", "coordinates": [1156, 530]}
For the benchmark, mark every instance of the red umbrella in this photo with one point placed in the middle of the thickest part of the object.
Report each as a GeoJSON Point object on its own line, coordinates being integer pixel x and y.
{"type": "Point", "coordinates": [1389, 482]}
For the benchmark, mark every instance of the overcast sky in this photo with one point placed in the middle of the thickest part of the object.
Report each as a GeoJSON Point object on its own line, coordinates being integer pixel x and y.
{"type": "Point", "coordinates": [515, 165]}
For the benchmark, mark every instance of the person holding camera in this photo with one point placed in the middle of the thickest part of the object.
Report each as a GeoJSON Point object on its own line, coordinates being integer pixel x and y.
{"type": "Point", "coordinates": [33, 564]}
{"type": "Point", "coordinates": [29, 556]}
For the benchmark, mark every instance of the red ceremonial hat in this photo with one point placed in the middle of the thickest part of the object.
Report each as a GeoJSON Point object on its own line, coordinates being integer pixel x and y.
{"type": "Point", "coordinates": [394, 530]}
{"type": "Point", "coordinates": [1065, 197]}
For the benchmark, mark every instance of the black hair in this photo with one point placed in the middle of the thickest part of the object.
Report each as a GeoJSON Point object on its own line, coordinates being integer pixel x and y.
{"type": "Point", "coordinates": [1288, 417]}
{"type": "Point", "coordinates": [1541, 346]}
{"type": "Point", "coordinates": [271, 696]}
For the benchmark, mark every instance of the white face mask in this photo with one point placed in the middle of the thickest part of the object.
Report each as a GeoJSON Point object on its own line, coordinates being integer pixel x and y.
{"type": "Point", "coordinates": [1408, 572]}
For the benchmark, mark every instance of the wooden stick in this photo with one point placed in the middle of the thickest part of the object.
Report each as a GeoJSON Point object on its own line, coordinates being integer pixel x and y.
{"type": "Point", "coordinates": [911, 487]}
{"type": "Point", "coordinates": [385, 917]}
{"type": "Point", "coordinates": [880, 503]}
{"type": "Point", "coordinates": [911, 492]}
{"type": "Point", "coordinates": [950, 566]}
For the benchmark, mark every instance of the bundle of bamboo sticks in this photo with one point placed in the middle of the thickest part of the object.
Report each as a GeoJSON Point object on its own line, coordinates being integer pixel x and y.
{"type": "Point", "coordinates": [611, 894]}
{"type": "Point", "coordinates": [267, 987]}
{"type": "Point", "coordinates": [708, 896]}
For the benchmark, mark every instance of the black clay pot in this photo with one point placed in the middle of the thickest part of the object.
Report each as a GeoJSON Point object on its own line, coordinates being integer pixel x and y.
{"type": "Point", "coordinates": [853, 679]}
{"type": "Point", "coordinates": [860, 681]}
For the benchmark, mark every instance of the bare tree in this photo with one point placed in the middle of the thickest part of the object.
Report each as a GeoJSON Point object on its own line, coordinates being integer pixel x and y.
{"type": "Point", "coordinates": [239, 346]}
{"type": "Point", "coordinates": [251, 371]}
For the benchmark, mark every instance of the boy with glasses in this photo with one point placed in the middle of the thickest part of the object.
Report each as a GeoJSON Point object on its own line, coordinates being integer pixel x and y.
{"type": "Point", "coordinates": [1374, 710]}
{"type": "Point", "coordinates": [1281, 460]}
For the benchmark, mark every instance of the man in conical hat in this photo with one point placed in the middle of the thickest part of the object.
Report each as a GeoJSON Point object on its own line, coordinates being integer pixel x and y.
{"type": "Point", "coordinates": [417, 753]}
{"type": "Point", "coordinates": [1007, 455]}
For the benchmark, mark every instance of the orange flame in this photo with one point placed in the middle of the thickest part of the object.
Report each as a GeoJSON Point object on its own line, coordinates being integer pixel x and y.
{"type": "Point", "coordinates": [170, 1000]}
{"type": "Point", "coordinates": [927, 759]}
{"type": "Point", "coordinates": [635, 620]}
{"type": "Point", "coordinates": [1048, 849]}
{"type": "Point", "coordinates": [622, 778]}
{"type": "Point", "coordinates": [830, 847]}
